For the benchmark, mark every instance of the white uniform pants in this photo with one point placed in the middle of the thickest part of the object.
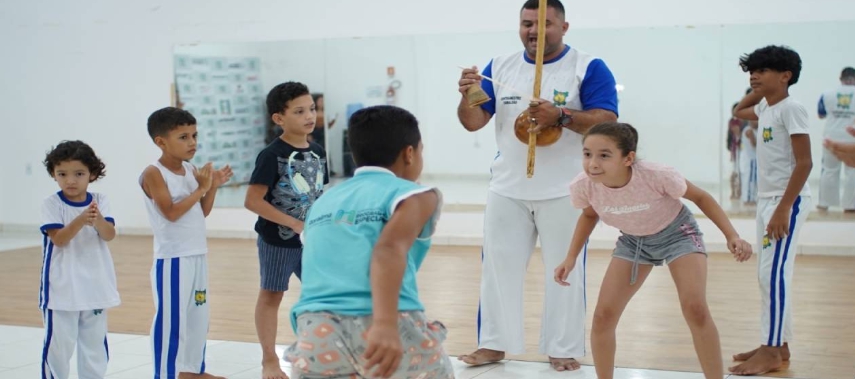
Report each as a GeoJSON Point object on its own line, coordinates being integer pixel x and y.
{"type": "Point", "coordinates": [180, 328]}
{"type": "Point", "coordinates": [829, 184]}
{"type": "Point", "coordinates": [87, 330]}
{"type": "Point", "coordinates": [748, 180]}
{"type": "Point", "coordinates": [510, 231]}
{"type": "Point", "coordinates": [776, 261]}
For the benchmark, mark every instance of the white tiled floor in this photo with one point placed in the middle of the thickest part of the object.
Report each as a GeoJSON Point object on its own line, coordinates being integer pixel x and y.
{"type": "Point", "coordinates": [20, 356]}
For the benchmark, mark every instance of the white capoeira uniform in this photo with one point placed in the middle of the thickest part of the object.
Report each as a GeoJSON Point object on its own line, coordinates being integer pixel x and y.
{"type": "Point", "coordinates": [776, 258]}
{"type": "Point", "coordinates": [520, 209]}
{"type": "Point", "coordinates": [838, 107]}
{"type": "Point", "coordinates": [179, 282]}
{"type": "Point", "coordinates": [78, 285]}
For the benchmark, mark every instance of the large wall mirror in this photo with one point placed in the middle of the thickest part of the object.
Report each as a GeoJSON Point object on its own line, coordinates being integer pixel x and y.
{"type": "Point", "coordinates": [677, 86]}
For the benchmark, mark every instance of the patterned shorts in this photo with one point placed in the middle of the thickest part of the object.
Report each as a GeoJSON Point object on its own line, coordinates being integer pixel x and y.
{"type": "Point", "coordinates": [332, 346]}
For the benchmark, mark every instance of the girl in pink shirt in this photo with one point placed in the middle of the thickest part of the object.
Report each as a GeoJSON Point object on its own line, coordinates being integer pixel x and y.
{"type": "Point", "coordinates": [642, 199]}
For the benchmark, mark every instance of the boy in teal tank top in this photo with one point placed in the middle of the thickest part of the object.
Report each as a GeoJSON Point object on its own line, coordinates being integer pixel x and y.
{"type": "Point", "coordinates": [359, 313]}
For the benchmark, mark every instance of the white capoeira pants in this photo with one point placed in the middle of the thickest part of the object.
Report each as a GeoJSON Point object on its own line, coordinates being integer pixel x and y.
{"type": "Point", "coordinates": [511, 228]}
{"type": "Point", "coordinates": [775, 263]}
{"type": "Point", "coordinates": [65, 330]}
{"type": "Point", "coordinates": [180, 328]}
{"type": "Point", "coordinates": [829, 184]}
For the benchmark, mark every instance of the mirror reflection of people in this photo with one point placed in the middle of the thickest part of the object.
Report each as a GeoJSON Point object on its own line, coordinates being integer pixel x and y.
{"type": "Point", "coordinates": [837, 108]}
{"type": "Point", "coordinates": [748, 165]}
{"type": "Point", "coordinates": [734, 139]}
{"type": "Point", "coordinates": [520, 209]}
{"type": "Point", "coordinates": [318, 135]}
{"type": "Point", "coordinates": [844, 151]}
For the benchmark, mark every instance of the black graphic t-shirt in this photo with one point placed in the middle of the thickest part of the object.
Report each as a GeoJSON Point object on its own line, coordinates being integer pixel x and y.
{"type": "Point", "coordinates": [294, 177]}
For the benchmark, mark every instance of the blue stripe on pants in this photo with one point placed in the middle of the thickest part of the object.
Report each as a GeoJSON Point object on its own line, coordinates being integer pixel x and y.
{"type": "Point", "coordinates": [793, 214]}
{"type": "Point", "coordinates": [158, 320]}
{"type": "Point", "coordinates": [777, 286]}
{"type": "Point", "coordinates": [48, 315]}
{"type": "Point", "coordinates": [174, 316]}
{"type": "Point", "coordinates": [478, 322]}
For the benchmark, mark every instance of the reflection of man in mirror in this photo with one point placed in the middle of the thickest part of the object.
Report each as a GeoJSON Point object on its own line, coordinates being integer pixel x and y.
{"type": "Point", "coordinates": [520, 209]}
{"type": "Point", "coordinates": [837, 108]}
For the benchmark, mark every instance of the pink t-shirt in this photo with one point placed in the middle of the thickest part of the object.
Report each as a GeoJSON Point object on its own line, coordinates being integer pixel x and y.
{"type": "Point", "coordinates": [644, 206]}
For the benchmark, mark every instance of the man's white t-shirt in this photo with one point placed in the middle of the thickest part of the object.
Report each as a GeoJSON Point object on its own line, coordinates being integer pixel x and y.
{"type": "Point", "coordinates": [838, 108]}
{"type": "Point", "coordinates": [574, 80]}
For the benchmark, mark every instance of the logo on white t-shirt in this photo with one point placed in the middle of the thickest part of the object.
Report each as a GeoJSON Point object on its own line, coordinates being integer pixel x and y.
{"type": "Point", "coordinates": [767, 134]}
{"type": "Point", "coordinates": [559, 99]}
{"type": "Point", "coordinates": [624, 209]}
{"type": "Point", "coordinates": [844, 100]}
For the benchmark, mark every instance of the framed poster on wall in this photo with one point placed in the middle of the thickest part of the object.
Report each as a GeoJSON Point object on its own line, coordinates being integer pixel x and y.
{"type": "Point", "coordinates": [226, 97]}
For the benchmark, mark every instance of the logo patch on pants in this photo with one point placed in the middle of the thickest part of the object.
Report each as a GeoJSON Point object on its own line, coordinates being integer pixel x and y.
{"type": "Point", "coordinates": [200, 297]}
{"type": "Point", "coordinates": [766, 241]}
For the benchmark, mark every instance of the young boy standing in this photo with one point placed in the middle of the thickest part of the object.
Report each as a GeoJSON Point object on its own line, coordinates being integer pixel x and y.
{"type": "Point", "coordinates": [289, 175]}
{"type": "Point", "coordinates": [783, 165]}
{"type": "Point", "coordinates": [178, 198]}
{"type": "Point", "coordinates": [78, 281]}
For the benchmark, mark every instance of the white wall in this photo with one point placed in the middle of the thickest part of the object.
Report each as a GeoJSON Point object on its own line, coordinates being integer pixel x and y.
{"type": "Point", "coordinates": [95, 70]}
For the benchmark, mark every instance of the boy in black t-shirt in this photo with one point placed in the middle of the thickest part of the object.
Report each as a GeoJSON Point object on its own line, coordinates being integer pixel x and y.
{"type": "Point", "coordinates": [290, 173]}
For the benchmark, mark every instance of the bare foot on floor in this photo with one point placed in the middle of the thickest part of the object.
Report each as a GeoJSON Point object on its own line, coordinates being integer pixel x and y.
{"type": "Point", "coordinates": [764, 360]}
{"type": "Point", "coordinates": [564, 364]}
{"type": "Point", "coordinates": [482, 357]}
{"type": "Point", "coordinates": [187, 375]}
{"type": "Point", "coordinates": [270, 369]}
{"type": "Point", "coordinates": [785, 354]}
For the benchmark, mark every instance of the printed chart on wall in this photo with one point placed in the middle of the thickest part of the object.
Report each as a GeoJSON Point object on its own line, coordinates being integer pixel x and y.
{"type": "Point", "coordinates": [226, 97]}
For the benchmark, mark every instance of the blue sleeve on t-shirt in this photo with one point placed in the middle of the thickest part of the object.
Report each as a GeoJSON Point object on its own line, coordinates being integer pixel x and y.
{"type": "Point", "coordinates": [821, 108]}
{"type": "Point", "coordinates": [487, 86]}
{"type": "Point", "coordinates": [598, 88]}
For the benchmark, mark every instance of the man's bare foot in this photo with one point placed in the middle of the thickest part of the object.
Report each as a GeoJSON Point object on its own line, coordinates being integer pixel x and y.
{"type": "Point", "coordinates": [785, 354]}
{"type": "Point", "coordinates": [564, 364]}
{"type": "Point", "coordinates": [764, 360]}
{"type": "Point", "coordinates": [482, 357]}
{"type": "Point", "coordinates": [270, 369]}
{"type": "Point", "coordinates": [188, 375]}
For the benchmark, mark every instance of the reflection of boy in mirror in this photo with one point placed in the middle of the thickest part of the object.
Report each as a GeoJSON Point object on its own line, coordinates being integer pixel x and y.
{"type": "Point", "coordinates": [748, 164]}
{"type": "Point", "coordinates": [319, 134]}
{"type": "Point", "coordinates": [289, 175]}
{"type": "Point", "coordinates": [783, 166]}
{"type": "Point", "coordinates": [734, 136]}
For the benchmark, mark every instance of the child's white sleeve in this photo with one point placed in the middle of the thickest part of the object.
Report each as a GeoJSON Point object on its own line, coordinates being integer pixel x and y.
{"type": "Point", "coordinates": [105, 209]}
{"type": "Point", "coordinates": [52, 214]}
{"type": "Point", "coordinates": [795, 119]}
{"type": "Point", "coordinates": [430, 227]}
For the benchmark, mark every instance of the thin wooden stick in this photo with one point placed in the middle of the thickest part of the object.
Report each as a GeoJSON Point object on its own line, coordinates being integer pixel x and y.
{"type": "Point", "coordinates": [512, 89]}
{"type": "Point", "coordinates": [538, 74]}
